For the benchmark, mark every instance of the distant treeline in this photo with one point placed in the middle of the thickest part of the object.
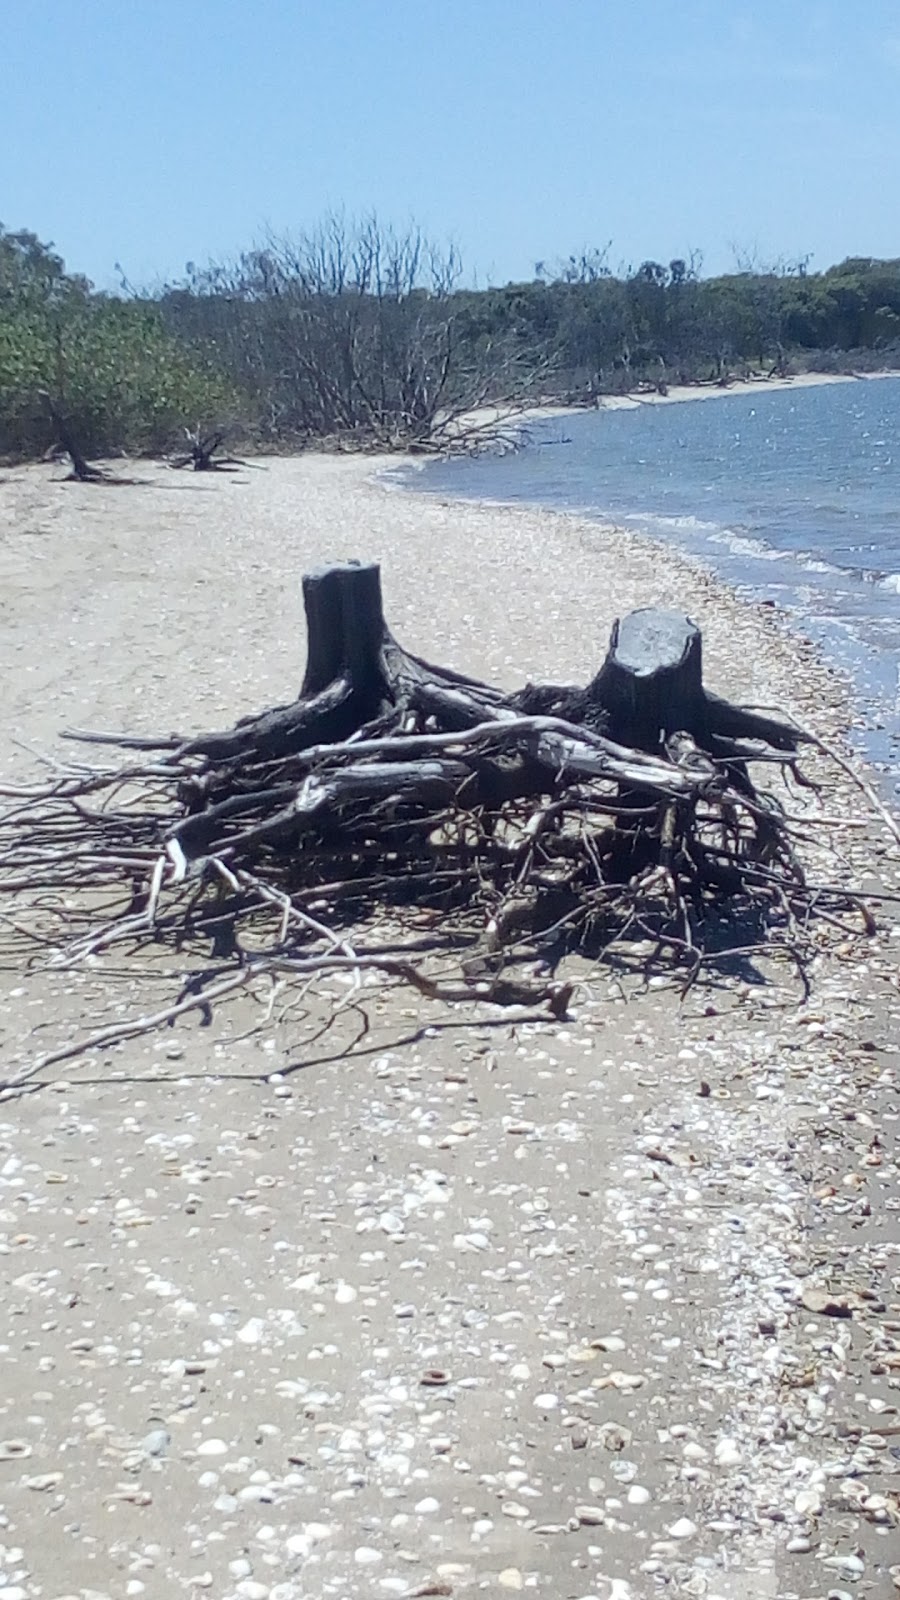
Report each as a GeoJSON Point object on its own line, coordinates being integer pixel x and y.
{"type": "Point", "coordinates": [360, 334]}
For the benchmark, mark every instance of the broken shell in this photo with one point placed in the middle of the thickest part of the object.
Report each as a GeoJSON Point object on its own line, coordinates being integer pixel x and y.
{"type": "Point", "coordinates": [14, 1450]}
{"type": "Point", "coordinates": [590, 1516]}
{"type": "Point", "coordinates": [825, 1304]}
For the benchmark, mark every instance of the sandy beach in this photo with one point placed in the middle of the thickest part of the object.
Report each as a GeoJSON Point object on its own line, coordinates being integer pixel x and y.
{"type": "Point", "coordinates": [680, 392]}
{"type": "Point", "coordinates": [435, 1301]}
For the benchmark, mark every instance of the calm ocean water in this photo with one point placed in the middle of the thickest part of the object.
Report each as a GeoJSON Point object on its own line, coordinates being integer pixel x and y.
{"type": "Point", "coordinates": [792, 496]}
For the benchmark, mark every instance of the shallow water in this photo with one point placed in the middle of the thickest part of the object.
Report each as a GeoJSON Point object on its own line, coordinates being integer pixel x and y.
{"type": "Point", "coordinates": [791, 495]}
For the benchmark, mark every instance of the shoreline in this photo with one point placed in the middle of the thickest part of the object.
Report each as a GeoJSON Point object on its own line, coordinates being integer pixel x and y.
{"type": "Point", "coordinates": [678, 393]}
{"type": "Point", "coordinates": [230, 1278]}
{"type": "Point", "coordinates": [488, 417]}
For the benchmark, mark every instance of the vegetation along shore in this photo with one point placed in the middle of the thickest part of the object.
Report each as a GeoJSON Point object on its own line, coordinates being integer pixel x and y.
{"type": "Point", "coordinates": [357, 335]}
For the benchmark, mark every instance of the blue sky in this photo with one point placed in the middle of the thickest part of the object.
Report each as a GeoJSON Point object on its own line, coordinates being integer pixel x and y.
{"type": "Point", "coordinates": [153, 132]}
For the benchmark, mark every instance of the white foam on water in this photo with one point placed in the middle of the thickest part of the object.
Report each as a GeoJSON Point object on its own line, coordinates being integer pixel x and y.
{"type": "Point", "coordinates": [738, 544]}
{"type": "Point", "coordinates": [742, 544]}
{"type": "Point", "coordinates": [810, 564]}
{"type": "Point", "coordinates": [682, 524]}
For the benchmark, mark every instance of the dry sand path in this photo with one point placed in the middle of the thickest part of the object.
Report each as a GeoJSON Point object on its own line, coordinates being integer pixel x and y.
{"type": "Point", "coordinates": [467, 1302]}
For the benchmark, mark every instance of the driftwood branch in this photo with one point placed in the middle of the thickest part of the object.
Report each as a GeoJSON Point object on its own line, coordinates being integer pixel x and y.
{"type": "Point", "coordinates": [203, 453]}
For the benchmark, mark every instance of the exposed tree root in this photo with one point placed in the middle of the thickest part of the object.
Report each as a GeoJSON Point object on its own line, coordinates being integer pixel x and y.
{"type": "Point", "coordinates": [402, 820]}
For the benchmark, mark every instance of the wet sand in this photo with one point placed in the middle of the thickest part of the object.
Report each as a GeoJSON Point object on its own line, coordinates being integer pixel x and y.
{"type": "Point", "coordinates": [432, 1301]}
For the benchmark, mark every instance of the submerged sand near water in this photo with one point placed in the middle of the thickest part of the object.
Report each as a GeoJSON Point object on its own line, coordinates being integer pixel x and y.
{"type": "Point", "coordinates": [226, 1298]}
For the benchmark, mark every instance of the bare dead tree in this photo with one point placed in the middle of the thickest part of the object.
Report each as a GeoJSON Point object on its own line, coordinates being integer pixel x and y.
{"type": "Point", "coordinates": [357, 332]}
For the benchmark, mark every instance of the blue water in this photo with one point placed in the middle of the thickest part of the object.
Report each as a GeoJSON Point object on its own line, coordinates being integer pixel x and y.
{"type": "Point", "coordinates": [792, 496]}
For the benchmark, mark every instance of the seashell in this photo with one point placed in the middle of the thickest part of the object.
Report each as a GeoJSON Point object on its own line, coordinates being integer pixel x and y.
{"type": "Point", "coordinates": [14, 1450]}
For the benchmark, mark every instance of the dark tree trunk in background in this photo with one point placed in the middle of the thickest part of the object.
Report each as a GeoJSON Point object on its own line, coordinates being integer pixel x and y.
{"type": "Point", "coordinates": [81, 468]}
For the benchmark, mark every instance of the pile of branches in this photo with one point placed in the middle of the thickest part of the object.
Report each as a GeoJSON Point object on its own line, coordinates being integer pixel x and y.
{"type": "Point", "coordinates": [402, 818]}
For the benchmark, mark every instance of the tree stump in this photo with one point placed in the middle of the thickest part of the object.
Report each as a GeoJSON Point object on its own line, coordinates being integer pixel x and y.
{"type": "Point", "coordinates": [360, 684]}
{"type": "Point", "coordinates": [389, 782]}
{"type": "Point", "coordinates": [651, 683]}
{"type": "Point", "coordinates": [201, 454]}
{"type": "Point", "coordinates": [651, 687]}
{"type": "Point", "coordinates": [345, 627]}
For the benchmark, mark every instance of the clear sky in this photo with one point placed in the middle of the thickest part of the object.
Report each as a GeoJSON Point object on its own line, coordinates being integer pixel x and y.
{"type": "Point", "coordinates": [153, 132]}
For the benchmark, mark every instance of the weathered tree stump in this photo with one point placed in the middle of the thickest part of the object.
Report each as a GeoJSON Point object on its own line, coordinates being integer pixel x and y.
{"type": "Point", "coordinates": [645, 722]}
{"type": "Point", "coordinates": [651, 687]}
{"type": "Point", "coordinates": [651, 683]}
{"type": "Point", "coordinates": [201, 454]}
{"type": "Point", "coordinates": [358, 677]}
{"type": "Point", "coordinates": [547, 819]}
{"type": "Point", "coordinates": [345, 628]}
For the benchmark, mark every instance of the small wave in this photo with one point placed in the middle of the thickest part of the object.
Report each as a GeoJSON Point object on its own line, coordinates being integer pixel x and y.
{"type": "Point", "coordinates": [685, 524]}
{"type": "Point", "coordinates": [813, 564]}
{"type": "Point", "coordinates": [746, 545]}
{"type": "Point", "coordinates": [742, 544]}
{"type": "Point", "coordinates": [891, 581]}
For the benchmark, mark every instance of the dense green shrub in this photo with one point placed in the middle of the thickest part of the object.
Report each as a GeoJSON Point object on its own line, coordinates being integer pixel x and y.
{"type": "Point", "coordinates": [122, 380]}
